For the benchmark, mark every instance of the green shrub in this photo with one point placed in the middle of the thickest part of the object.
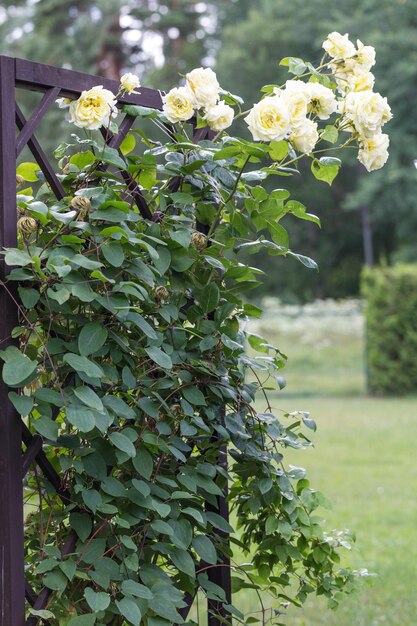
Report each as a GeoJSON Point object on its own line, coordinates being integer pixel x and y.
{"type": "Point", "coordinates": [391, 321]}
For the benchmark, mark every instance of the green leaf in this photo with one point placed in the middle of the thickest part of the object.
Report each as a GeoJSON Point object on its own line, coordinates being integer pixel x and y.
{"type": "Point", "coordinates": [83, 620]}
{"type": "Point", "coordinates": [82, 524]}
{"type": "Point", "coordinates": [44, 613]}
{"type": "Point", "coordinates": [17, 257]}
{"type": "Point", "coordinates": [330, 134]}
{"type": "Point", "coordinates": [22, 404]}
{"type": "Point", "coordinates": [82, 364]}
{"type": "Point", "coordinates": [80, 417]}
{"type": "Point", "coordinates": [113, 253]}
{"type": "Point", "coordinates": [56, 581]}
{"type": "Point", "coordinates": [29, 297]}
{"type": "Point", "coordinates": [325, 169]}
{"type": "Point", "coordinates": [305, 260]}
{"type": "Point", "coordinates": [130, 611]}
{"type": "Point", "coordinates": [264, 485]}
{"type": "Point", "coordinates": [310, 423]}
{"type": "Point", "coordinates": [278, 150]}
{"type": "Point", "coordinates": [295, 65]}
{"type": "Point", "coordinates": [194, 395]}
{"type": "Point", "coordinates": [132, 588]}
{"type": "Point", "coordinates": [159, 357]}
{"type": "Point", "coordinates": [139, 111]}
{"type": "Point", "coordinates": [205, 549]}
{"type": "Point", "coordinates": [209, 297]}
{"type": "Point", "coordinates": [69, 568]}
{"type": "Point", "coordinates": [183, 561]}
{"type": "Point", "coordinates": [97, 601]}
{"type": "Point", "coordinates": [28, 171]}
{"type": "Point", "coordinates": [219, 522]}
{"type": "Point", "coordinates": [82, 159]}
{"type": "Point", "coordinates": [112, 157]}
{"type": "Point", "coordinates": [128, 144]}
{"type": "Point", "coordinates": [89, 398]}
{"type": "Point", "coordinates": [123, 443]}
{"type": "Point", "coordinates": [299, 210]}
{"type": "Point", "coordinates": [143, 462]}
{"type": "Point", "coordinates": [92, 499]}
{"type": "Point", "coordinates": [18, 369]}
{"type": "Point", "coordinates": [46, 427]}
{"type": "Point", "coordinates": [92, 337]}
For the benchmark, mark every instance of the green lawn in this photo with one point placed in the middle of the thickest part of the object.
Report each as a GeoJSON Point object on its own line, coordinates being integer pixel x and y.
{"type": "Point", "coordinates": [362, 460]}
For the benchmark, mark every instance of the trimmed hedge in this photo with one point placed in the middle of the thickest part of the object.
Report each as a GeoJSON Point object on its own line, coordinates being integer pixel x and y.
{"type": "Point", "coordinates": [391, 323]}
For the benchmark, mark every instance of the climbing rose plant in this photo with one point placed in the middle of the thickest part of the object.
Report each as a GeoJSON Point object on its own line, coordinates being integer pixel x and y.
{"type": "Point", "coordinates": [133, 362]}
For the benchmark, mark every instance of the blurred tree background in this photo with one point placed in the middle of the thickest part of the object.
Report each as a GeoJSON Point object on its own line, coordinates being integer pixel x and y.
{"type": "Point", "coordinates": [244, 41]}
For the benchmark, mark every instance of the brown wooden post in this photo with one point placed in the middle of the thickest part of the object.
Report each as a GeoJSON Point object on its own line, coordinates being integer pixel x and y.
{"type": "Point", "coordinates": [12, 584]}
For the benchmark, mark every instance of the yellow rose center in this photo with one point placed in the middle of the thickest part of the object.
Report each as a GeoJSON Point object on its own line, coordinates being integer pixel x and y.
{"type": "Point", "coordinates": [270, 118]}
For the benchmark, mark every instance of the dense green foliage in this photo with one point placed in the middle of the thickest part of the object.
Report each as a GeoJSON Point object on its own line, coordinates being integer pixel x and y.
{"type": "Point", "coordinates": [391, 296]}
{"type": "Point", "coordinates": [130, 361]}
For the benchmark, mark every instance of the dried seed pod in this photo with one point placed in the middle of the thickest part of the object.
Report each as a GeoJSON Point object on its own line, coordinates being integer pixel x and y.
{"type": "Point", "coordinates": [66, 169]}
{"type": "Point", "coordinates": [19, 180]}
{"type": "Point", "coordinates": [27, 225]}
{"type": "Point", "coordinates": [81, 203]}
{"type": "Point", "coordinates": [199, 241]}
{"type": "Point", "coordinates": [161, 293]}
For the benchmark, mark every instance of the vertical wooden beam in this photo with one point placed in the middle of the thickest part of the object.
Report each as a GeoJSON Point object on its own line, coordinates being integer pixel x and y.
{"type": "Point", "coordinates": [12, 584]}
{"type": "Point", "coordinates": [221, 575]}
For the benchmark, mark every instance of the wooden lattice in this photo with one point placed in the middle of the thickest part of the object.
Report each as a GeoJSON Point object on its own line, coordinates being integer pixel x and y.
{"type": "Point", "coordinates": [19, 449]}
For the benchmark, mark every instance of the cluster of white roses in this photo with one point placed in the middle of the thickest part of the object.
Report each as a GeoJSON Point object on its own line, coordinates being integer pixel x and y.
{"type": "Point", "coordinates": [364, 111]}
{"type": "Point", "coordinates": [201, 92]}
{"type": "Point", "coordinates": [285, 115]}
{"type": "Point", "coordinates": [291, 112]}
{"type": "Point", "coordinates": [96, 106]}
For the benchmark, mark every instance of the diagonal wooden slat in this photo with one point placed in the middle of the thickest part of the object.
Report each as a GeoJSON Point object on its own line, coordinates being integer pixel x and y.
{"type": "Point", "coordinates": [30, 594]}
{"type": "Point", "coordinates": [132, 186]}
{"type": "Point", "coordinates": [47, 468]}
{"type": "Point", "coordinates": [41, 158]}
{"type": "Point", "coordinates": [31, 452]}
{"type": "Point", "coordinates": [36, 118]}
{"type": "Point", "coordinates": [116, 140]}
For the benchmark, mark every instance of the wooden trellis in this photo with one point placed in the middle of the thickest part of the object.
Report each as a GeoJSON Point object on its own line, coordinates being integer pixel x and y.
{"type": "Point", "coordinates": [19, 449]}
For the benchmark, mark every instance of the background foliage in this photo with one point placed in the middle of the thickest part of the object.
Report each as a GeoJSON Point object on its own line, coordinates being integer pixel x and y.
{"type": "Point", "coordinates": [391, 295]}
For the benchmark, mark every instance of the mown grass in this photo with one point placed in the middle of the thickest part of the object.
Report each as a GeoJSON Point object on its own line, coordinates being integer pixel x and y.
{"type": "Point", "coordinates": [363, 460]}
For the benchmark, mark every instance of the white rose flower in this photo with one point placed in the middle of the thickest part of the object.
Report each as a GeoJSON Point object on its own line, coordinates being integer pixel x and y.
{"type": "Point", "coordinates": [269, 119]}
{"type": "Point", "coordinates": [295, 97]}
{"type": "Point", "coordinates": [93, 109]}
{"type": "Point", "coordinates": [129, 82]}
{"type": "Point", "coordinates": [220, 116]}
{"type": "Point", "coordinates": [305, 136]}
{"type": "Point", "coordinates": [203, 84]}
{"type": "Point", "coordinates": [339, 46]}
{"type": "Point", "coordinates": [322, 100]}
{"type": "Point", "coordinates": [373, 153]}
{"type": "Point", "coordinates": [359, 79]}
{"type": "Point", "coordinates": [63, 103]}
{"type": "Point", "coordinates": [178, 105]}
{"type": "Point", "coordinates": [365, 55]}
{"type": "Point", "coordinates": [367, 111]}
